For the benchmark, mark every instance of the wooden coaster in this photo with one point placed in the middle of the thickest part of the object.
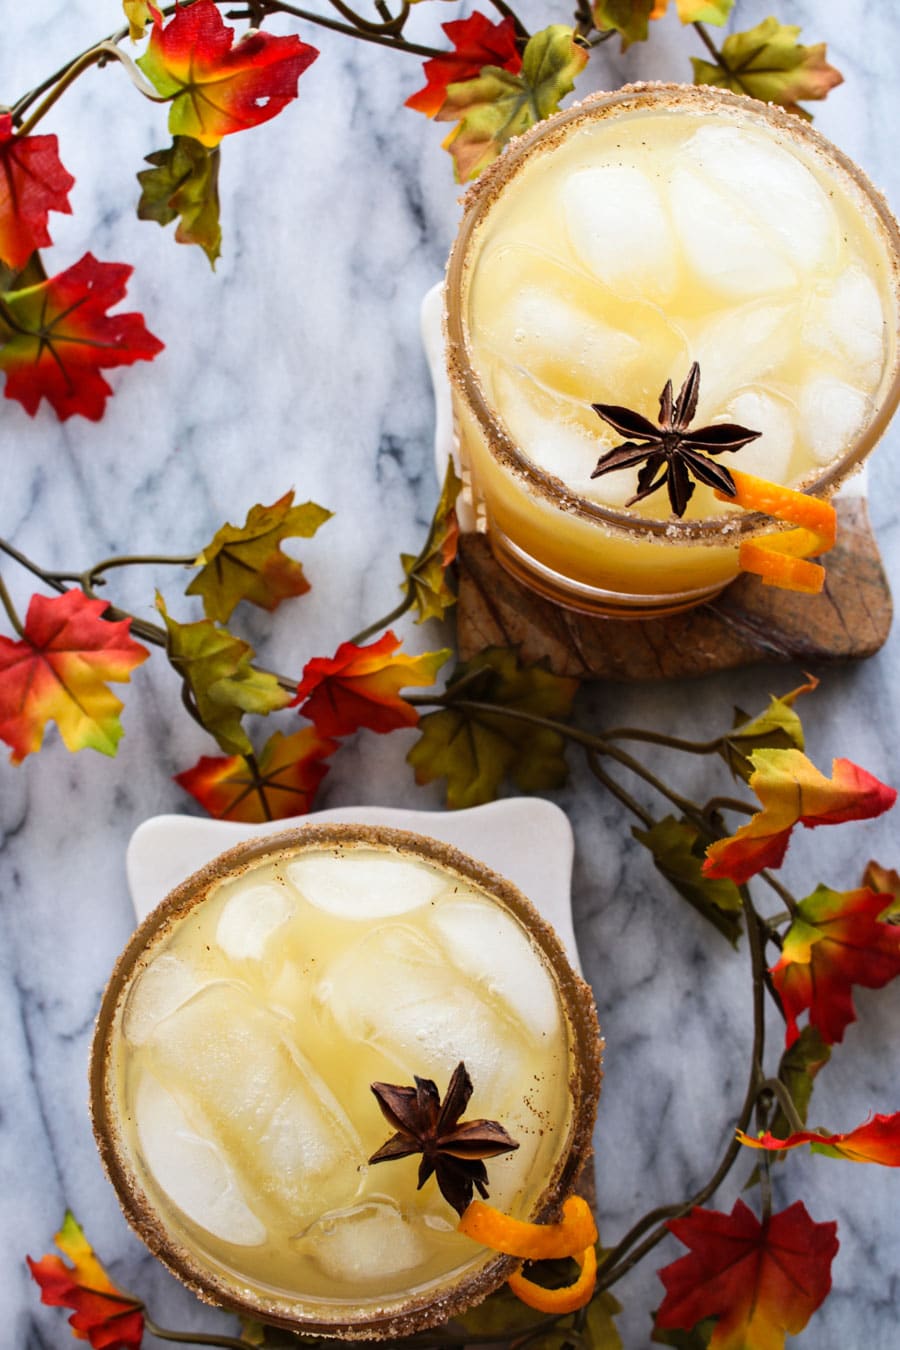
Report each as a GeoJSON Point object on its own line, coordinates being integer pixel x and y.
{"type": "Point", "coordinates": [746, 624]}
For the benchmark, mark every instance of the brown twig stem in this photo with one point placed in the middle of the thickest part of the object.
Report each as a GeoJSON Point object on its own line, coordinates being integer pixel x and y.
{"type": "Point", "coordinates": [712, 48]}
{"type": "Point", "coordinates": [11, 612]}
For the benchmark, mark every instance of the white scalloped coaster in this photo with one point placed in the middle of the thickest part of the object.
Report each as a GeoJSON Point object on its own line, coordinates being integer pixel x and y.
{"type": "Point", "coordinates": [526, 839]}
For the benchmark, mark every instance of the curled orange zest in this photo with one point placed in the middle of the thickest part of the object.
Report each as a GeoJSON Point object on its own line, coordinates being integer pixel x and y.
{"type": "Point", "coordinates": [569, 1298]}
{"type": "Point", "coordinates": [780, 559]}
{"type": "Point", "coordinates": [532, 1241]}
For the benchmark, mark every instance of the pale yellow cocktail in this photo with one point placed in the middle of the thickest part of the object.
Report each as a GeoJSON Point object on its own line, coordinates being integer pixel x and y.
{"type": "Point", "coordinates": [606, 252]}
{"type": "Point", "coordinates": [238, 1043]}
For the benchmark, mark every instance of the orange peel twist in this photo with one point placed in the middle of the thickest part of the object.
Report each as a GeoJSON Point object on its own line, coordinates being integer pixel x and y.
{"type": "Point", "coordinates": [574, 1236]}
{"type": "Point", "coordinates": [780, 559]}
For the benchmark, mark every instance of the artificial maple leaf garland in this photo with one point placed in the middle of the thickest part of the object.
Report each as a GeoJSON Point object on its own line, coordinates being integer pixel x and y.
{"type": "Point", "coordinates": [493, 82]}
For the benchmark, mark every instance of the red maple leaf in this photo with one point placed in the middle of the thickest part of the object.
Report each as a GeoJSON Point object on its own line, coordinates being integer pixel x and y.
{"type": "Point", "coordinates": [360, 687]}
{"type": "Point", "coordinates": [281, 783]}
{"type": "Point", "coordinates": [875, 1141]}
{"type": "Point", "coordinates": [33, 183]}
{"type": "Point", "coordinates": [837, 939]}
{"type": "Point", "coordinates": [58, 671]}
{"type": "Point", "coordinates": [104, 1315]}
{"type": "Point", "coordinates": [760, 1280]}
{"type": "Point", "coordinates": [216, 88]}
{"type": "Point", "coordinates": [58, 337]}
{"type": "Point", "coordinates": [476, 43]}
{"type": "Point", "coordinates": [793, 791]}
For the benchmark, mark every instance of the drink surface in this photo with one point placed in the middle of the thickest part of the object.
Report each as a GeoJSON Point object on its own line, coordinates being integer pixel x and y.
{"type": "Point", "coordinates": [249, 1038]}
{"type": "Point", "coordinates": [657, 237]}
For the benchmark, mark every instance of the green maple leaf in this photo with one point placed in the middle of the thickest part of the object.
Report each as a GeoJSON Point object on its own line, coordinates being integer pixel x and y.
{"type": "Point", "coordinates": [497, 104]}
{"type": "Point", "coordinates": [246, 563]}
{"type": "Point", "coordinates": [476, 749]}
{"type": "Point", "coordinates": [183, 185]}
{"type": "Point", "coordinates": [217, 672]}
{"type": "Point", "coordinates": [678, 854]}
{"type": "Point", "coordinates": [767, 62]}
{"type": "Point", "coordinates": [777, 728]}
{"type": "Point", "coordinates": [797, 1070]}
{"type": "Point", "coordinates": [704, 11]}
{"type": "Point", "coordinates": [427, 571]}
{"type": "Point", "coordinates": [630, 18]}
{"type": "Point", "coordinates": [697, 1339]}
{"type": "Point", "coordinates": [503, 1313]}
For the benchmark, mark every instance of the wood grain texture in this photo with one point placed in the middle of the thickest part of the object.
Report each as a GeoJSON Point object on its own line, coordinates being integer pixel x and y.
{"type": "Point", "coordinates": [746, 624]}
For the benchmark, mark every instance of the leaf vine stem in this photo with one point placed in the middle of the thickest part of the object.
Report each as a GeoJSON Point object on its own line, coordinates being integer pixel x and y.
{"type": "Point", "coordinates": [11, 612]}
{"type": "Point", "coordinates": [711, 47]}
{"type": "Point", "coordinates": [194, 1337]}
{"type": "Point", "coordinates": [621, 1259]}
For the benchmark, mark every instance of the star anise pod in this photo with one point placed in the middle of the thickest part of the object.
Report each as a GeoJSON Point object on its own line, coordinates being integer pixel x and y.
{"type": "Point", "coordinates": [672, 451]}
{"type": "Point", "coordinates": [451, 1150]}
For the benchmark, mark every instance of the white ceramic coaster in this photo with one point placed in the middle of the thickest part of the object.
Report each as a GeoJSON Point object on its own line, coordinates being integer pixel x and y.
{"type": "Point", "coordinates": [526, 839]}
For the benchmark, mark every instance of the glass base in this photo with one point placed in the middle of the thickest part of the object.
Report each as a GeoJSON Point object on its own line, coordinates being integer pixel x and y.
{"type": "Point", "coordinates": [584, 598]}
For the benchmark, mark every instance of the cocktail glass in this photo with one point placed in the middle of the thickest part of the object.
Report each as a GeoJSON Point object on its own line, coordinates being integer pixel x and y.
{"type": "Point", "coordinates": [235, 1048]}
{"type": "Point", "coordinates": [605, 251]}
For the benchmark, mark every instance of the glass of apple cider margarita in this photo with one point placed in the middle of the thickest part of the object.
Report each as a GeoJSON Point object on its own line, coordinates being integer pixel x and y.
{"type": "Point", "coordinates": [606, 251]}
{"type": "Point", "coordinates": [235, 1051]}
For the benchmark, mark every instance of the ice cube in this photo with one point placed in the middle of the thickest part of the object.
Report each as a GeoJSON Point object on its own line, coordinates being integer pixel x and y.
{"type": "Point", "coordinates": [737, 349]}
{"type": "Point", "coordinates": [562, 344]}
{"type": "Point", "coordinates": [363, 884]}
{"type": "Point", "coordinates": [619, 228]}
{"type": "Point", "coordinates": [490, 945]}
{"type": "Point", "coordinates": [267, 1108]}
{"type": "Point", "coordinates": [398, 991]}
{"type": "Point", "coordinates": [248, 919]}
{"type": "Point", "coordinates": [370, 1241]}
{"type": "Point", "coordinates": [832, 414]}
{"type": "Point", "coordinates": [770, 456]}
{"type": "Point", "coordinates": [778, 192]}
{"type": "Point", "coordinates": [849, 322]}
{"type": "Point", "coordinates": [191, 1169]}
{"type": "Point", "coordinates": [549, 430]}
{"type": "Point", "coordinates": [162, 987]}
{"type": "Point", "coordinates": [723, 241]}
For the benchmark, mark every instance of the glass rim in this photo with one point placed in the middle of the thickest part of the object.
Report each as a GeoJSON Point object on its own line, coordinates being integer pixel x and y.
{"type": "Point", "coordinates": [394, 1315]}
{"type": "Point", "coordinates": [478, 203]}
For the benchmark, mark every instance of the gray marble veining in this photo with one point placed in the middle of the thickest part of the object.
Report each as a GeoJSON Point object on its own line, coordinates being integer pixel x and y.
{"type": "Point", "coordinates": [299, 364]}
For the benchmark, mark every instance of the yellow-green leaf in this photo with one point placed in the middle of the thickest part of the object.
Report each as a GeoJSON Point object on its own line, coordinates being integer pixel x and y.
{"type": "Point", "coordinates": [246, 563]}
{"type": "Point", "coordinates": [678, 854]}
{"type": "Point", "coordinates": [767, 62]}
{"type": "Point", "coordinates": [427, 571]}
{"type": "Point", "coordinates": [183, 185]}
{"type": "Point", "coordinates": [704, 11]}
{"type": "Point", "coordinates": [498, 105]}
{"type": "Point", "coordinates": [137, 12]}
{"type": "Point", "coordinates": [221, 682]}
{"type": "Point", "coordinates": [475, 749]}
{"type": "Point", "coordinates": [778, 728]}
{"type": "Point", "coordinates": [630, 18]}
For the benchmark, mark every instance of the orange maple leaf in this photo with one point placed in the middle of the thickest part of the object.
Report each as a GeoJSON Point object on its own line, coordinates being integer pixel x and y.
{"type": "Point", "coordinates": [837, 939]}
{"type": "Point", "coordinates": [360, 687]}
{"type": "Point", "coordinates": [33, 183]}
{"type": "Point", "coordinates": [476, 43]}
{"type": "Point", "coordinates": [216, 88]}
{"type": "Point", "coordinates": [57, 337]}
{"type": "Point", "coordinates": [793, 791]}
{"type": "Point", "coordinates": [281, 782]}
{"type": "Point", "coordinates": [105, 1316]}
{"type": "Point", "coordinates": [58, 671]}
{"type": "Point", "coordinates": [875, 1141]}
{"type": "Point", "coordinates": [759, 1280]}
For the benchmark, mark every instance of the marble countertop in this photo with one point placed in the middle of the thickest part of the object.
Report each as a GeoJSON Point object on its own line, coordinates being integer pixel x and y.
{"type": "Point", "coordinates": [298, 364]}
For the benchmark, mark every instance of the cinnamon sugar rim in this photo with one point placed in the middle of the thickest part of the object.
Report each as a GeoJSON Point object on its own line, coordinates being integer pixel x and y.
{"type": "Point", "coordinates": [399, 1315]}
{"type": "Point", "coordinates": [482, 196]}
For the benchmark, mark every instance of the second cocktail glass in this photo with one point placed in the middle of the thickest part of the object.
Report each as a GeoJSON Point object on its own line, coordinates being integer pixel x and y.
{"type": "Point", "coordinates": [608, 250]}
